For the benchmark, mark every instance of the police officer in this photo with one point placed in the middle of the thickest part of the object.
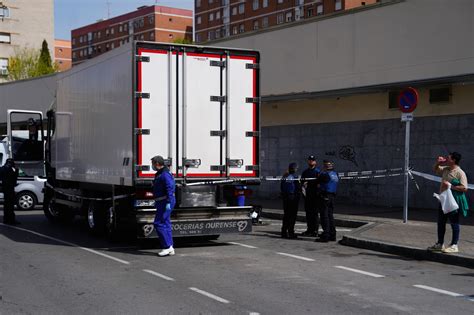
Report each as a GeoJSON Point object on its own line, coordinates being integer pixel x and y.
{"type": "Point", "coordinates": [328, 184]}
{"type": "Point", "coordinates": [9, 177]}
{"type": "Point", "coordinates": [290, 194]}
{"type": "Point", "coordinates": [310, 184]}
{"type": "Point", "coordinates": [163, 191]}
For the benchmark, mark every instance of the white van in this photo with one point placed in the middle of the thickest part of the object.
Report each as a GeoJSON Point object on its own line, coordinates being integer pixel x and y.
{"type": "Point", "coordinates": [29, 191]}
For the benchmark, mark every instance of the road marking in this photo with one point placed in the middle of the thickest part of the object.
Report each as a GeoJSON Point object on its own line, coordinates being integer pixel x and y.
{"type": "Point", "coordinates": [210, 295]}
{"type": "Point", "coordinates": [361, 272]}
{"type": "Point", "coordinates": [69, 244]}
{"type": "Point", "coordinates": [254, 313]}
{"type": "Point", "coordinates": [297, 257]}
{"type": "Point", "coordinates": [425, 287]}
{"type": "Point", "coordinates": [240, 244]}
{"type": "Point", "coordinates": [159, 275]}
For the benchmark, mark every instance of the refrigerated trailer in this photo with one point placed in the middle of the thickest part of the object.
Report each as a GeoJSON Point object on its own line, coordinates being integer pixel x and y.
{"type": "Point", "coordinates": [196, 106]}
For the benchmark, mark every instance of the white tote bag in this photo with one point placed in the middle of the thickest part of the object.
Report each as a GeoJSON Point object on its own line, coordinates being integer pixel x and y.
{"type": "Point", "coordinates": [448, 203]}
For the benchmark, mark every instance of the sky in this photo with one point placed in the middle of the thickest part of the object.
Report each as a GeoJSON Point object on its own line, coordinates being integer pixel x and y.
{"type": "Point", "coordinates": [71, 14]}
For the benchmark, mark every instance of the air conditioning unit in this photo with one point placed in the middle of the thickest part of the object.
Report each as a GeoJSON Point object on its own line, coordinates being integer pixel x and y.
{"type": "Point", "coordinates": [3, 71]}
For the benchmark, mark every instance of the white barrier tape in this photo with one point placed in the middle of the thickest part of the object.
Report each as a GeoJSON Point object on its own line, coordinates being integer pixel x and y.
{"type": "Point", "coordinates": [434, 178]}
{"type": "Point", "coordinates": [85, 198]}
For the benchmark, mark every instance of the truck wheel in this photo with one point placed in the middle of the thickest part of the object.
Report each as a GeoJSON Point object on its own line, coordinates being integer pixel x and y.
{"type": "Point", "coordinates": [111, 224]}
{"type": "Point", "coordinates": [95, 218]}
{"type": "Point", "coordinates": [57, 213]}
{"type": "Point", "coordinates": [26, 200]}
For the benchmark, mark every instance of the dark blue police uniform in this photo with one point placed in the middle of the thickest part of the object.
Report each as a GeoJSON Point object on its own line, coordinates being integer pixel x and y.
{"type": "Point", "coordinates": [328, 185]}
{"type": "Point", "coordinates": [290, 194]}
{"type": "Point", "coordinates": [311, 204]}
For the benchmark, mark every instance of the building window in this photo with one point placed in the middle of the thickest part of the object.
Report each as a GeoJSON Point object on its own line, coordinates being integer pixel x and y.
{"type": "Point", "coordinates": [151, 19]}
{"type": "Point", "coordinates": [210, 35]}
{"type": "Point", "coordinates": [265, 3]}
{"type": "Point", "coordinates": [255, 25]}
{"type": "Point", "coordinates": [198, 38]}
{"type": "Point", "coordinates": [234, 10]}
{"type": "Point", "coordinates": [211, 17]}
{"type": "Point", "coordinates": [80, 53]}
{"type": "Point", "coordinates": [265, 21]}
{"type": "Point", "coordinates": [393, 99]}
{"type": "Point", "coordinates": [310, 12]}
{"type": "Point", "coordinates": [218, 15]}
{"type": "Point", "coordinates": [211, 1]}
{"type": "Point", "coordinates": [125, 27]}
{"type": "Point", "coordinates": [255, 4]}
{"type": "Point", "coordinates": [440, 95]}
{"type": "Point", "coordinates": [120, 28]}
{"type": "Point", "coordinates": [5, 38]}
{"type": "Point", "coordinates": [218, 33]}
{"type": "Point", "coordinates": [3, 66]}
{"type": "Point", "coordinates": [198, 3]}
{"type": "Point", "coordinates": [107, 32]}
{"type": "Point", "coordinates": [89, 36]}
{"type": "Point", "coordinates": [280, 1]}
{"type": "Point", "coordinates": [289, 17]}
{"type": "Point", "coordinates": [74, 41]}
{"type": "Point", "coordinates": [90, 51]}
{"type": "Point", "coordinates": [280, 18]}
{"type": "Point", "coordinates": [74, 55]}
{"type": "Point", "coordinates": [152, 36]}
{"type": "Point", "coordinates": [241, 28]}
{"type": "Point", "coordinates": [241, 8]}
{"type": "Point", "coordinates": [234, 30]}
{"type": "Point", "coordinates": [112, 45]}
{"type": "Point", "coordinates": [198, 20]}
{"type": "Point", "coordinates": [98, 34]}
{"type": "Point", "coordinates": [142, 37]}
{"type": "Point", "coordinates": [338, 5]}
{"type": "Point", "coordinates": [319, 9]}
{"type": "Point", "coordinates": [112, 31]}
{"type": "Point", "coordinates": [4, 12]}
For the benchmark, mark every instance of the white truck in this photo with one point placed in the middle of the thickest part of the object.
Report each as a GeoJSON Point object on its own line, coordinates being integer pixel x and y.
{"type": "Point", "coordinates": [196, 106]}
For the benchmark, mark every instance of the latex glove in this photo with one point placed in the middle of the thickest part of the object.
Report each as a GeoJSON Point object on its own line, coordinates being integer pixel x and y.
{"type": "Point", "coordinates": [168, 207]}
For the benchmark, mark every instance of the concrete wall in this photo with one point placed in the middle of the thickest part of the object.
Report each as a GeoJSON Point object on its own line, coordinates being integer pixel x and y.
{"type": "Point", "coordinates": [370, 145]}
{"type": "Point", "coordinates": [398, 42]}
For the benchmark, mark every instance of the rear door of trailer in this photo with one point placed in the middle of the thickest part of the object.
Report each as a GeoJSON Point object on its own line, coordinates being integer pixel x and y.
{"type": "Point", "coordinates": [198, 108]}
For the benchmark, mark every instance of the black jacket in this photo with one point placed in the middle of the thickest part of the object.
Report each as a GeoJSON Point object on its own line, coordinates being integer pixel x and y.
{"type": "Point", "coordinates": [9, 178]}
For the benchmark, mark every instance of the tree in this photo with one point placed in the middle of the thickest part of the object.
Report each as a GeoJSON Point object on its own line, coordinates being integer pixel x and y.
{"type": "Point", "coordinates": [182, 41]}
{"type": "Point", "coordinates": [45, 66]}
{"type": "Point", "coordinates": [23, 65]}
{"type": "Point", "coordinates": [29, 63]}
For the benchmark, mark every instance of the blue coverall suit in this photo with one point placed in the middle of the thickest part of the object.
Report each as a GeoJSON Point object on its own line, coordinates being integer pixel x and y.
{"type": "Point", "coordinates": [328, 185]}
{"type": "Point", "coordinates": [163, 191]}
{"type": "Point", "coordinates": [290, 194]}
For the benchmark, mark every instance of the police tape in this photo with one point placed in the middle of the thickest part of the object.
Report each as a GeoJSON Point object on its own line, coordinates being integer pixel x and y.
{"type": "Point", "coordinates": [392, 172]}
{"type": "Point", "coordinates": [433, 178]}
{"type": "Point", "coordinates": [85, 198]}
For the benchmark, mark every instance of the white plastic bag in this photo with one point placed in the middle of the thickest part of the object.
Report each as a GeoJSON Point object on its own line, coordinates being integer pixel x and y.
{"type": "Point", "coordinates": [448, 203]}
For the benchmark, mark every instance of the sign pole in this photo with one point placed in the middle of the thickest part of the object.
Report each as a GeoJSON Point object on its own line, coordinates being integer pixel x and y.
{"type": "Point", "coordinates": [407, 161]}
{"type": "Point", "coordinates": [407, 102]}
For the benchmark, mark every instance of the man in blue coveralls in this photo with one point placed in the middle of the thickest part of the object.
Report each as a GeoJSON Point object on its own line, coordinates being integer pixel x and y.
{"type": "Point", "coordinates": [163, 191]}
{"type": "Point", "coordinates": [290, 193]}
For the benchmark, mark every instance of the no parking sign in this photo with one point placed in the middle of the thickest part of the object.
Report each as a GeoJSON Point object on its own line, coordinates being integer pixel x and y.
{"type": "Point", "coordinates": [407, 100]}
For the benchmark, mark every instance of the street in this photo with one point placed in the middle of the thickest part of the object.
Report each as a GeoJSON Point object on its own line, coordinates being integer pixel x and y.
{"type": "Point", "coordinates": [53, 269]}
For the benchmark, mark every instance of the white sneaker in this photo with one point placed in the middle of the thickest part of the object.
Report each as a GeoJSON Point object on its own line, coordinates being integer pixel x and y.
{"type": "Point", "coordinates": [451, 249]}
{"type": "Point", "coordinates": [167, 252]}
{"type": "Point", "coordinates": [436, 248]}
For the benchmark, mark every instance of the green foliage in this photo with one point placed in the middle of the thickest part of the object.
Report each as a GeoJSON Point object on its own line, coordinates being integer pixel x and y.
{"type": "Point", "coordinates": [183, 41]}
{"type": "Point", "coordinates": [29, 63]}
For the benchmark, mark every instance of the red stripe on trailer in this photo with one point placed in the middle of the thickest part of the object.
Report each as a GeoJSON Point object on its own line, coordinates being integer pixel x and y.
{"type": "Point", "coordinates": [203, 55]}
{"type": "Point", "coordinates": [139, 113]}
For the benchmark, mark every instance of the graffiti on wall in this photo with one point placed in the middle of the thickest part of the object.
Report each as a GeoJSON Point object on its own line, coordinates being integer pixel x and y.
{"type": "Point", "coordinates": [348, 153]}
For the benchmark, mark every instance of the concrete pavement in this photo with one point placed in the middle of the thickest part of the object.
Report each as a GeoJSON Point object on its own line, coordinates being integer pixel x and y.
{"type": "Point", "coordinates": [54, 269]}
{"type": "Point", "coordinates": [379, 229]}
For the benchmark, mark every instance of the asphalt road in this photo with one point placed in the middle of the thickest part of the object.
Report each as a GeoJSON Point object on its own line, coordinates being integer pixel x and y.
{"type": "Point", "coordinates": [53, 269]}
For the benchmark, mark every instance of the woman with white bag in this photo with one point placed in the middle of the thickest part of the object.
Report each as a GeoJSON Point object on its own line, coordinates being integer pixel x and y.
{"type": "Point", "coordinates": [452, 178]}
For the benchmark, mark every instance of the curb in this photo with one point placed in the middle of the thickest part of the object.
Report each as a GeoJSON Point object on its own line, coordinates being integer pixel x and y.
{"type": "Point", "coordinates": [277, 215]}
{"type": "Point", "coordinates": [407, 251]}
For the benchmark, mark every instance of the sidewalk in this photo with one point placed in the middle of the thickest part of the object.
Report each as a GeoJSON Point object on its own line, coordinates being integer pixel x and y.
{"type": "Point", "coordinates": [381, 229]}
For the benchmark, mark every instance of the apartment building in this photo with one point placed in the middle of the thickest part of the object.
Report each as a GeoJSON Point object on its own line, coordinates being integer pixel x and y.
{"type": "Point", "coordinates": [62, 54]}
{"type": "Point", "coordinates": [24, 25]}
{"type": "Point", "coordinates": [215, 19]}
{"type": "Point", "coordinates": [149, 23]}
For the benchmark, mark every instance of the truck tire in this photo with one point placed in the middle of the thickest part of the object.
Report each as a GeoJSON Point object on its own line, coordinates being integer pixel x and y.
{"type": "Point", "coordinates": [26, 200]}
{"type": "Point", "coordinates": [57, 213]}
{"type": "Point", "coordinates": [112, 224]}
{"type": "Point", "coordinates": [95, 218]}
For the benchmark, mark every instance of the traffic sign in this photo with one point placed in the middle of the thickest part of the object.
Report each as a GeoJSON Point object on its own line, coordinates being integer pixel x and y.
{"type": "Point", "coordinates": [407, 117]}
{"type": "Point", "coordinates": [407, 100]}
